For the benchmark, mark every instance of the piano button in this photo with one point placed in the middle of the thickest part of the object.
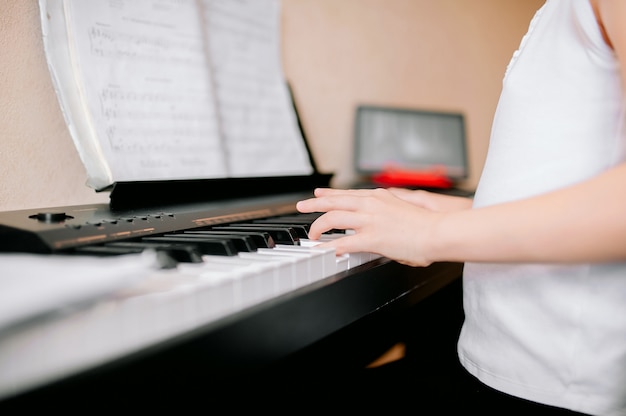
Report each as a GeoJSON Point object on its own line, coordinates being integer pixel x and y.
{"type": "Point", "coordinates": [221, 247]}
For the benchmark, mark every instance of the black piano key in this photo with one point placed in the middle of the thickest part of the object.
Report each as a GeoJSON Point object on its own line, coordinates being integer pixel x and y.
{"type": "Point", "coordinates": [300, 229]}
{"type": "Point", "coordinates": [301, 217]}
{"type": "Point", "coordinates": [281, 235]}
{"type": "Point", "coordinates": [107, 251]}
{"type": "Point", "coordinates": [184, 253]}
{"type": "Point", "coordinates": [303, 222]}
{"type": "Point", "coordinates": [241, 242]}
{"type": "Point", "coordinates": [167, 256]}
{"type": "Point", "coordinates": [218, 247]}
{"type": "Point", "coordinates": [166, 260]}
{"type": "Point", "coordinates": [260, 238]}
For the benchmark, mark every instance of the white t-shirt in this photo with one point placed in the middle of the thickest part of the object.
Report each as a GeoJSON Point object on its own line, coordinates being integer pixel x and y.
{"type": "Point", "coordinates": [554, 334]}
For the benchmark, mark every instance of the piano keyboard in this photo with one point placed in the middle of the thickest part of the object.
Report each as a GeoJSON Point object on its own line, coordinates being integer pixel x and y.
{"type": "Point", "coordinates": [203, 276]}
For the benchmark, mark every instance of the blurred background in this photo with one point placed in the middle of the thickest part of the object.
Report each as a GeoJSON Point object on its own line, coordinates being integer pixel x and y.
{"type": "Point", "coordinates": [444, 55]}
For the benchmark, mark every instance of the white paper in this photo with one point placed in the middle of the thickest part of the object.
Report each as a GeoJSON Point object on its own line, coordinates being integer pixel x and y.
{"type": "Point", "coordinates": [35, 285]}
{"type": "Point", "coordinates": [158, 90]}
{"type": "Point", "coordinates": [259, 125]}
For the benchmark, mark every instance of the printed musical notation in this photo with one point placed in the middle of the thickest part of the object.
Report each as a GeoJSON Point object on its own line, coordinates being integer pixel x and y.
{"type": "Point", "coordinates": [110, 44]}
{"type": "Point", "coordinates": [244, 45]}
{"type": "Point", "coordinates": [175, 89]}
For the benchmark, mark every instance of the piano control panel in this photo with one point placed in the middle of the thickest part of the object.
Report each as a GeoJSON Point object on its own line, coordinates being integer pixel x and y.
{"type": "Point", "coordinates": [61, 229]}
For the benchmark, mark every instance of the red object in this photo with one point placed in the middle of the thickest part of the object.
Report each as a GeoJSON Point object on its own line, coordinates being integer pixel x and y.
{"type": "Point", "coordinates": [412, 178]}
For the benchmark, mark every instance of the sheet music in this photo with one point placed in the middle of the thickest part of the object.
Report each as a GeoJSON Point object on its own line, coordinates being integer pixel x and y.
{"type": "Point", "coordinates": [260, 129]}
{"type": "Point", "coordinates": [173, 89]}
{"type": "Point", "coordinates": [144, 77]}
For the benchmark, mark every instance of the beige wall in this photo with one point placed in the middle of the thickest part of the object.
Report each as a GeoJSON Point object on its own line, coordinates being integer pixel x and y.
{"type": "Point", "coordinates": [432, 54]}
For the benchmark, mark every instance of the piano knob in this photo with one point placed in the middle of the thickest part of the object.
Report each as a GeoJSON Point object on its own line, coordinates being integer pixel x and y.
{"type": "Point", "coordinates": [51, 217]}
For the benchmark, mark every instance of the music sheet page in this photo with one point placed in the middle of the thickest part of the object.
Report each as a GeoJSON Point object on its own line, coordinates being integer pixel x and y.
{"type": "Point", "coordinates": [259, 125]}
{"type": "Point", "coordinates": [162, 89]}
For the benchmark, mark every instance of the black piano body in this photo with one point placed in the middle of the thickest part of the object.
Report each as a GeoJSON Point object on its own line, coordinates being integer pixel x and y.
{"type": "Point", "coordinates": [313, 329]}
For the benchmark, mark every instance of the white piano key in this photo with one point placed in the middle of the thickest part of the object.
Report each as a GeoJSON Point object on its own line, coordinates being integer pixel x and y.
{"type": "Point", "coordinates": [332, 263]}
{"type": "Point", "coordinates": [49, 349]}
{"type": "Point", "coordinates": [173, 310]}
{"type": "Point", "coordinates": [255, 279]}
{"type": "Point", "coordinates": [22, 360]}
{"type": "Point", "coordinates": [137, 325]}
{"type": "Point", "coordinates": [300, 275]}
{"type": "Point", "coordinates": [323, 260]}
{"type": "Point", "coordinates": [102, 330]}
{"type": "Point", "coordinates": [227, 284]}
{"type": "Point", "coordinates": [312, 260]}
{"type": "Point", "coordinates": [70, 347]}
{"type": "Point", "coordinates": [215, 296]}
{"type": "Point", "coordinates": [283, 269]}
{"type": "Point", "coordinates": [343, 262]}
{"type": "Point", "coordinates": [354, 259]}
{"type": "Point", "coordinates": [251, 282]}
{"type": "Point", "coordinates": [156, 308]}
